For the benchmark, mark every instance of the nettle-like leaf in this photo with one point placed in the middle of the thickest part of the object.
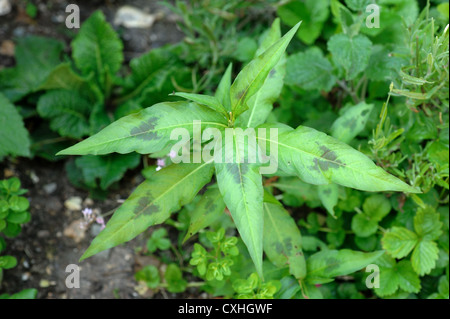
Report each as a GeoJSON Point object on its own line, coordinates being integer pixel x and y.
{"type": "Point", "coordinates": [107, 169]}
{"type": "Point", "coordinates": [310, 70]}
{"type": "Point", "coordinates": [351, 122]}
{"type": "Point", "coordinates": [319, 159]}
{"type": "Point", "coordinates": [67, 111]}
{"type": "Point", "coordinates": [148, 72]}
{"type": "Point", "coordinates": [253, 76]}
{"type": "Point", "coordinates": [35, 58]}
{"type": "Point", "coordinates": [151, 203]}
{"type": "Point", "coordinates": [14, 138]}
{"type": "Point", "coordinates": [261, 103]}
{"type": "Point", "coordinates": [147, 131]}
{"type": "Point", "coordinates": [97, 49]}
{"type": "Point", "coordinates": [282, 239]}
{"type": "Point", "coordinates": [63, 77]}
{"type": "Point", "coordinates": [323, 266]}
{"type": "Point", "coordinates": [313, 13]}
{"type": "Point", "coordinates": [350, 53]}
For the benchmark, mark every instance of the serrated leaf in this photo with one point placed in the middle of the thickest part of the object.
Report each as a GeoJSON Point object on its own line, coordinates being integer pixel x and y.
{"type": "Point", "coordinates": [252, 77]}
{"type": "Point", "coordinates": [332, 263]}
{"type": "Point", "coordinates": [151, 203]}
{"type": "Point", "coordinates": [399, 241]}
{"type": "Point", "coordinates": [352, 122]}
{"type": "Point", "coordinates": [282, 239]}
{"type": "Point", "coordinates": [97, 48]}
{"type": "Point", "coordinates": [148, 72]}
{"type": "Point", "coordinates": [424, 257]}
{"type": "Point", "coordinates": [409, 281]}
{"type": "Point", "coordinates": [63, 77]}
{"type": "Point", "coordinates": [319, 159]}
{"type": "Point", "coordinates": [351, 54]}
{"type": "Point", "coordinates": [313, 13]}
{"type": "Point", "coordinates": [108, 169]}
{"type": "Point", "coordinates": [13, 135]}
{"type": "Point", "coordinates": [357, 5]}
{"type": "Point", "coordinates": [427, 224]}
{"type": "Point", "coordinates": [240, 184]}
{"type": "Point", "coordinates": [67, 111]}
{"type": "Point", "coordinates": [208, 209]}
{"type": "Point", "coordinates": [310, 70]}
{"type": "Point", "coordinates": [147, 131]}
{"type": "Point", "coordinates": [35, 58]}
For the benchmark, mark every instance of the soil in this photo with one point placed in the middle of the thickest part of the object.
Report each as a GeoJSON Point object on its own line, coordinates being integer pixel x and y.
{"type": "Point", "coordinates": [52, 240]}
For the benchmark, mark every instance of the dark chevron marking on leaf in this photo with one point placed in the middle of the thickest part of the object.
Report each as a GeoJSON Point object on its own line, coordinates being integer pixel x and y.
{"type": "Point", "coordinates": [364, 112]}
{"type": "Point", "coordinates": [144, 131]}
{"type": "Point", "coordinates": [331, 160]}
{"type": "Point", "coordinates": [237, 170]}
{"type": "Point", "coordinates": [241, 95]}
{"type": "Point", "coordinates": [145, 205]}
{"type": "Point", "coordinates": [272, 73]}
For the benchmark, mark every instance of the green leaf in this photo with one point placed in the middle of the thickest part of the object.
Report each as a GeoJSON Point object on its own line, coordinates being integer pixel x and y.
{"type": "Point", "coordinates": [325, 265]}
{"type": "Point", "coordinates": [358, 5]}
{"type": "Point", "coordinates": [395, 275]}
{"type": "Point", "coordinates": [399, 241]}
{"type": "Point", "coordinates": [328, 195]}
{"type": "Point", "coordinates": [427, 224]}
{"type": "Point", "coordinates": [10, 121]}
{"type": "Point", "coordinates": [8, 262]}
{"type": "Point", "coordinates": [97, 48]}
{"type": "Point", "coordinates": [223, 90]}
{"type": "Point", "coordinates": [363, 226]}
{"type": "Point", "coordinates": [149, 72]}
{"type": "Point", "coordinates": [424, 256]}
{"type": "Point", "coordinates": [208, 209]}
{"type": "Point", "coordinates": [261, 103]}
{"type": "Point", "coordinates": [408, 280]}
{"type": "Point", "coordinates": [174, 279]}
{"type": "Point", "coordinates": [210, 101]}
{"type": "Point", "coordinates": [352, 122]}
{"type": "Point", "coordinates": [63, 77]}
{"type": "Point", "coordinates": [106, 169]}
{"type": "Point", "coordinates": [245, 49]}
{"type": "Point", "coordinates": [310, 70]}
{"type": "Point", "coordinates": [252, 77]}
{"type": "Point", "coordinates": [313, 13]}
{"type": "Point", "coordinates": [282, 239]}
{"type": "Point", "coordinates": [377, 207]}
{"type": "Point", "coordinates": [150, 275]}
{"type": "Point", "coordinates": [240, 184]}
{"type": "Point", "coordinates": [35, 58]}
{"type": "Point", "coordinates": [18, 217]}
{"type": "Point", "coordinates": [319, 159]}
{"type": "Point", "coordinates": [67, 111]}
{"type": "Point", "coordinates": [352, 54]}
{"type": "Point", "coordinates": [25, 294]}
{"type": "Point", "coordinates": [151, 203]}
{"type": "Point", "coordinates": [147, 131]}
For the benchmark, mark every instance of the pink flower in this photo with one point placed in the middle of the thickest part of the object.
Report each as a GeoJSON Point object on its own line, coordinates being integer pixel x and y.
{"type": "Point", "coordinates": [172, 154]}
{"type": "Point", "coordinates": [161, 162]}
{"type": "Point", "coordinates": [100, 220]}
